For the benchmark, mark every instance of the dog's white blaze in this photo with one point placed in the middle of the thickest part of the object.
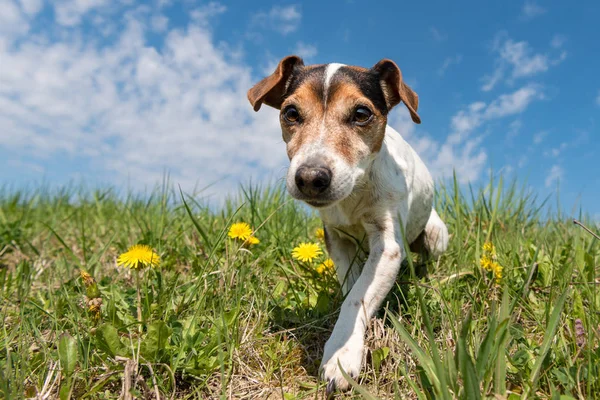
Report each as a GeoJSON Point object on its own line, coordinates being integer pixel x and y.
{"type": "Point", "coordinates": [329, 73]}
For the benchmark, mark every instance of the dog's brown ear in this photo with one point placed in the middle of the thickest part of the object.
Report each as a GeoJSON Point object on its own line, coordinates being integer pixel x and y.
{"type": "Point", "coordinates": [394, 88]}
{"type": "Point", "coordinates": [271, 89]}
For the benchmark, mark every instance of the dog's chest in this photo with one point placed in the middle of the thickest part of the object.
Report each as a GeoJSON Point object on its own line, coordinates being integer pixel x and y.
{"type": "Point", "coordinates": [346, 223]}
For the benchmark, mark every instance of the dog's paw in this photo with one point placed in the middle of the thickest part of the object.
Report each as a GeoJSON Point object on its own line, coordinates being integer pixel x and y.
{"type": "Point", "coordinates": [349, 356]}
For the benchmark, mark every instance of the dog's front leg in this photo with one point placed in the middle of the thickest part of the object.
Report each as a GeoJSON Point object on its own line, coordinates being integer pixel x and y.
{"type": "Point", "coordinates": [377, 278]}
{"type": "Point", "coordinates": [344, 254]}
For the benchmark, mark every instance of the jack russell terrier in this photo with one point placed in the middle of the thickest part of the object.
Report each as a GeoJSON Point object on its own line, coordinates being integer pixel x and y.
{"type": "Point", "coordinates": [362, 177]}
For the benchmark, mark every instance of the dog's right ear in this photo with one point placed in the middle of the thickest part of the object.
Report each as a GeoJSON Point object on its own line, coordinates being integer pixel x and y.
{"type": "Point", "coordinates": [271, 89]}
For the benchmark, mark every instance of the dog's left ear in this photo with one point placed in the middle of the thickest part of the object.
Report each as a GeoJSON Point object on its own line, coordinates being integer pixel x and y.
{"type": "Point", "coordinates": [271, 89]}
{"type": "Point", "coordinates": [394, 88]}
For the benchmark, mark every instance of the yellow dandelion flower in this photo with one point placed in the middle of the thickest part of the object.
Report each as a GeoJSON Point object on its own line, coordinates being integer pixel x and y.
{"type": "Point", "coordinates": [252, 240]}
{"type": "Point", "coordinates": [497, 270]}
{"type": "Point", "coordinates": [306, 252]}
{"type": "Point", "coordinates": [486, 262]}
{"type": "Point", "coordinates": [489, 248]}
{"type": "Point", "coordinates": [88, 280]}
{"type": "Point", "coordinates": [326, 265]}
{"type": "Point", "coordinates": [139, 256]}
{"type": "Point", "coordinates": [320, 233]}
{"type": "Point", "coordinates": [240, 230]}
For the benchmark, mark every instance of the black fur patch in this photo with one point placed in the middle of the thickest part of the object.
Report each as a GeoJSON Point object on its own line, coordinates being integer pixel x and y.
{"type": "Point", "coordinates": [368, 83]}
{"type": "Point", "coordinates": [303, 74]}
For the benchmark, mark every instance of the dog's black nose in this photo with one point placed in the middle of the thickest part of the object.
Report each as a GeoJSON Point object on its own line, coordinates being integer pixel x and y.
{"type": "Point", "coordinates": [312, 181]}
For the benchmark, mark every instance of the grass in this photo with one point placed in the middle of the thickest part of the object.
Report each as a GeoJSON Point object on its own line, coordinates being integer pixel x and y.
{"type": "Point", "coordinates": [219, 319]}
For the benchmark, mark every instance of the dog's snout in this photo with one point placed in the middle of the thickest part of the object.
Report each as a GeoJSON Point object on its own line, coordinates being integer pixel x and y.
{"type": "Point", "coordinates": [312, 181]}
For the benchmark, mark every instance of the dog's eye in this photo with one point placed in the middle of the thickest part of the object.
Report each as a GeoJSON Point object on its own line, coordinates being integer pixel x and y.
{"type": "Point", "coordinates": [290, 114]}
{"type": "Point", "coordinates": [362, 115]}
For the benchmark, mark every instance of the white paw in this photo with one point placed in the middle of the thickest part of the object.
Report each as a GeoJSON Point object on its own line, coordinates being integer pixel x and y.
{"type": "Point", "coordinates": [349, 356]}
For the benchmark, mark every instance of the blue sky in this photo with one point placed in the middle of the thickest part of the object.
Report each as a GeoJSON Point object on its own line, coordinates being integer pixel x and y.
{"type": "Point", "coordinates": [118, 92]}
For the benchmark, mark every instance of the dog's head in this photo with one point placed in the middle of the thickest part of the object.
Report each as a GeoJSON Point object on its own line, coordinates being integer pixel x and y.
{"type": "Point", "coordinates": [333, 119]}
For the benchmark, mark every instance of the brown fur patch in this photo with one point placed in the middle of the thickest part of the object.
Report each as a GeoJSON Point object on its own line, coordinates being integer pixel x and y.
{"type": "Point", "coordinates": [310, 107]}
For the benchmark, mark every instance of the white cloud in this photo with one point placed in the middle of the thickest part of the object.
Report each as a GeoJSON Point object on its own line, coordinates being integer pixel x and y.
{"type": "Point", "coordinates": [598, 98]}
{"type": "Point", "coordinates": [513, 129]}
{"type": "Point", "coordinates": [284, 20]}
{"type": "Point", "coordinates": [539, 137]}
{"type": "Point", "coordinates": [133, 110]}
{"type": "Point", "coordinates": [556, 151]}
{"type": "Point", "coordinates": [32, 7]}
{"type": "Point", "coordinates": [12, 22]}
{"type": "Point", "coordinates": [437, 35]}
{"type": "Point", "coordinates": [522, 161]}
{"type": "Point", "coordinates": [70, 12]}
{"type": "Point", "coordinates": [306, 51]}
{"type": "Point", "coordinates": [490, 81]}
{"type": "Point", "coordinates": [203, 15]}
{"type": "Point", "coordinates": [531, 10]}
{"type": "Point", "coordinates": [517, 60]}
{"type": "Point", "coordinates": [454, 60]}
{"type": "Point", "coordinates": [159, 23]}
{"type": "Point", "coordinates": [558, 41]}
{"type": "Point", "coordinates": [477, 113]}
{"type": "Point", "coordinates": [524, 63]}
{"type": "Point", "coordinates": [513, 103]}
{"type": "Point", "coordinates": [555, 174]}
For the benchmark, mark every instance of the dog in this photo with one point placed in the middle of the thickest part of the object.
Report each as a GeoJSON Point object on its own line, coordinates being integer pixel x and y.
{"type": "Point", "coordinates": [365, 181]}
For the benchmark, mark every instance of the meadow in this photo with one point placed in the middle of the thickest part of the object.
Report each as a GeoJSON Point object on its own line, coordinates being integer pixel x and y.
{"type": "Point", "coordinates": [510, 311]}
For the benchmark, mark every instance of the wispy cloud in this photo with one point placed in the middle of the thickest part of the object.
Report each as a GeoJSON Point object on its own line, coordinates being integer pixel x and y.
{"type": "Point", "coordinates": [539, 137]}
{"type": "Point", "coordinates": [71, 12]}
{"type": "Point", "coordinates": [531, 10]}
{"type": "Point", "coordinates": [477, 113]}
{"type": "Point", "coordinates": [437, 35]}
{"type": "Point", "coordinates": [555, 174]}
{"type": "Point", "coordinates": [454, 60]}
{"type": "Point", "coordinates": [513, 129]}
{"type": "Point", "coordinates": [282, 19]}
{"type": "Point", "coordinates": [517, 60]}
{"type": "Point", "coordinates": [598, 98]}
{"type": "Point", "coordinates": [556, 151]}
{"type": "Point", "coordinates": [305, 50]}
{"type": "Point", "coordinates": [558, 41]}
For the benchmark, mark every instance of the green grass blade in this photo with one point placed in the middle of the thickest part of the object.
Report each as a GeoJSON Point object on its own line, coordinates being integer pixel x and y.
{"type": "Point", "coordinates": [548, 337]}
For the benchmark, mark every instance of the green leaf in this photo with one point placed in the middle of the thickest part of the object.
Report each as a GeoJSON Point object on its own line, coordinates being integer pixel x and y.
{"type": "Point", "coordinates": [465, 363]}
{"type": "Point", "coordinates": [485, 348]}
{"type": "Point", "coordinates": [107, 338]}
{"type": "Point", "coordinates": [67, 354]}
{"type": "Point", "coordinates": [156, 339]}
{"type": "Point", "coordinates": [378, 356]}
{"type": "Point", "coordinates": [64, 392]}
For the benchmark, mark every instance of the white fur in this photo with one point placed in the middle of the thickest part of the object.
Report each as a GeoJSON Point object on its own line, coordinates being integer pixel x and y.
{"type": "Point", "coordinates": [329, 73]}
{"type": "Point", "coordinates": [392, 194]}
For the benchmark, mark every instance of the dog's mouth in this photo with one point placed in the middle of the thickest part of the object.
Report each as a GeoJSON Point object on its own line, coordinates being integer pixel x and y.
{"type": "Point", "coordinates": [318, 203]}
